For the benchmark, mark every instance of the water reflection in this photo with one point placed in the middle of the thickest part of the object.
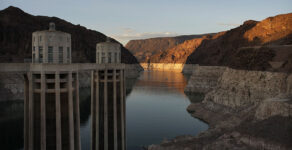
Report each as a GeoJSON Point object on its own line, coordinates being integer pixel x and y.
{"type": "Point", "coordinates": [156, 109]}
{"type": "Point", "coordinates": [108, 110]}
{"type": "Point", "coordinates": [161, 80]}
{"type": "Point", "coordinates": [11, 125]}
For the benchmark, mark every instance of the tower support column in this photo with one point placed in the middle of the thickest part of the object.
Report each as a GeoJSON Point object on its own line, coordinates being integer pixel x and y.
{"type": "Point", "coordinates": [93, 99]}
{"type": "Point", "coordinates": [30, 111]}
{"type": "Point", "coordinates": [71, 117]}
{"type": "Point", "coordinates": [97, 110]}
{"type": "Point", "coordinates": [122, 108]}
{"type": "Point", "coordinates": [43, 111]}
{"type": "Point", "coordinates": [77, 121]}
{"type": "Point", "coordinates": [58, 112]}
{"type": "Point", "coordinates": [115, 110]}
{"type": "Point", "coordinates": [105, 112]}
{"type": "Point", "coordinates": [26, 100]}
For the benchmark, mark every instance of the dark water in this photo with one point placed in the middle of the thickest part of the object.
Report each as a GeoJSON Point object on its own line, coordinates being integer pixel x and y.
{"type": "Point", "coordinates": [155, 110]}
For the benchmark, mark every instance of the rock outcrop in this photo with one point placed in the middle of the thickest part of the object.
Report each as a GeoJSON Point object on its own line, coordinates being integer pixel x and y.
{"type": "Point", "coordinates": [180, 52]}
{"type": "Point", "coordinates": [250, 46]}
{"type": "Point", "coordinates": [144, 49]}
{"type": "Point", "coordinates": [274, 107]}
{"type": "Point", "coordinates": [245, 110]}
{"type": "Point", "coordinates": [241, 88]}
{"type": "Point", "coordinates": [11, 86]}
{"type": "Point", "coordinates": [204, 78]}
{"type": "Point", "coordinates": [16, 29]}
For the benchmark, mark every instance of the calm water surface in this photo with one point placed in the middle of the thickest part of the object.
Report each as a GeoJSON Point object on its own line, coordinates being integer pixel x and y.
{"type": "Point", "coordinates": [156, 110]}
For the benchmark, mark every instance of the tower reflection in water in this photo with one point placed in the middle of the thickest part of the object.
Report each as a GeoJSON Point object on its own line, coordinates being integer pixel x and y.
{"type": "Point", "coordinates": [108, 99]}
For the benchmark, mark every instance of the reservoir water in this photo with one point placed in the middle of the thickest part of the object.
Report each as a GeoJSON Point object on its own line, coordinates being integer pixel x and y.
{"type": "Point", "coordinates": [155, 110]}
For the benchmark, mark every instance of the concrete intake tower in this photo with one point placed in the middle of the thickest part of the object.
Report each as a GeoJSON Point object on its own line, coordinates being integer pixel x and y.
{"type": "Point", "coordinates": [51, 106]}
{"type": "Point", "coordinates": [108, 99]}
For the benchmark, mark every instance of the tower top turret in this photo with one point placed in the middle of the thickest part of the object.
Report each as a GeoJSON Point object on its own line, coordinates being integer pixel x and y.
{"type": "Point", "coordinates": [52, 26]}
{"type": "Point", "coordinates": [108, 39]}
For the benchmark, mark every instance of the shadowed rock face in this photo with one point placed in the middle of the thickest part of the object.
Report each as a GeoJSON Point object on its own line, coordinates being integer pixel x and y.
{"type": "Point", "coordinates": [16, 29]}
{"type": "Point", "coordinates": [146, 48]}
{"type": "Point", "coordinates": [250, 46]}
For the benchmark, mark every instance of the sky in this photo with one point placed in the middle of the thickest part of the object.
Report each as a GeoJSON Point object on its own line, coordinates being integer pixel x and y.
{"type": "Point", "coordinates": [126, 20]}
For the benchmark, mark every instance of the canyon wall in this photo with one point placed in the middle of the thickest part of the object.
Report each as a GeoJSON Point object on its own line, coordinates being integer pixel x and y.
{"type": "Point", "coordinates": [240, 89]}
{"type": "Point", "coordinates": [255, 45]}
{"type": "Point", "coordinates": [247, 103]}
{"type": "Point", "coordinates": [204, 78]}
{"type": "Point", "coordinates": [251, 46]}
{"type": "Point", "coordinates": [144, 49]}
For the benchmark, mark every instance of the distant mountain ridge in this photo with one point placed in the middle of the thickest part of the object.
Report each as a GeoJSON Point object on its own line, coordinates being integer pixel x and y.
{"type": "Point", "coordinates": [16, 29]}
{"type": "Point", "coordinates": [144, 49]}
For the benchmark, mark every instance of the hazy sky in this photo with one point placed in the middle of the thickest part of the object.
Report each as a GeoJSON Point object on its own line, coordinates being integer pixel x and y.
{"type": "Point", "coordinates": [135, 19]}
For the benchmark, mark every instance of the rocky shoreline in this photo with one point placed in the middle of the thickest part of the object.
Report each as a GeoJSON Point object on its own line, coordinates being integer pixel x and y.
{"type": "Point", "coordinates": [244, 110]}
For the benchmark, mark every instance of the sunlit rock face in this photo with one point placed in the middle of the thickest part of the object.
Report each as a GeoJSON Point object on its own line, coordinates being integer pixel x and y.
{"type": "Point", "coordinates": [250, 46]}
{"type": "Point", "coordinates": [145, 49]}
{"type": "Point", "coordinates": [179, 53]}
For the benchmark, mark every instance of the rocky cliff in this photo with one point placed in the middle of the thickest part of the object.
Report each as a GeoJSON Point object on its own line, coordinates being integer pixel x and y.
{"type": "Point", "coordinates": [239, 88]}
{"type": "Point", "coordinates": [242, 88]}
{"type": "Point", "coordinates": [204, 79]}
{"type": "Point", "coordinates": [146, 48]}
{"type": "Point", "coordinates": [244, 109]}
{"type": "Point", "coordinates": [180, 52]}
{"type": "Point", "coordinates": [251, 46]}
{"type": "Point", "coordinates": [16, 29]}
